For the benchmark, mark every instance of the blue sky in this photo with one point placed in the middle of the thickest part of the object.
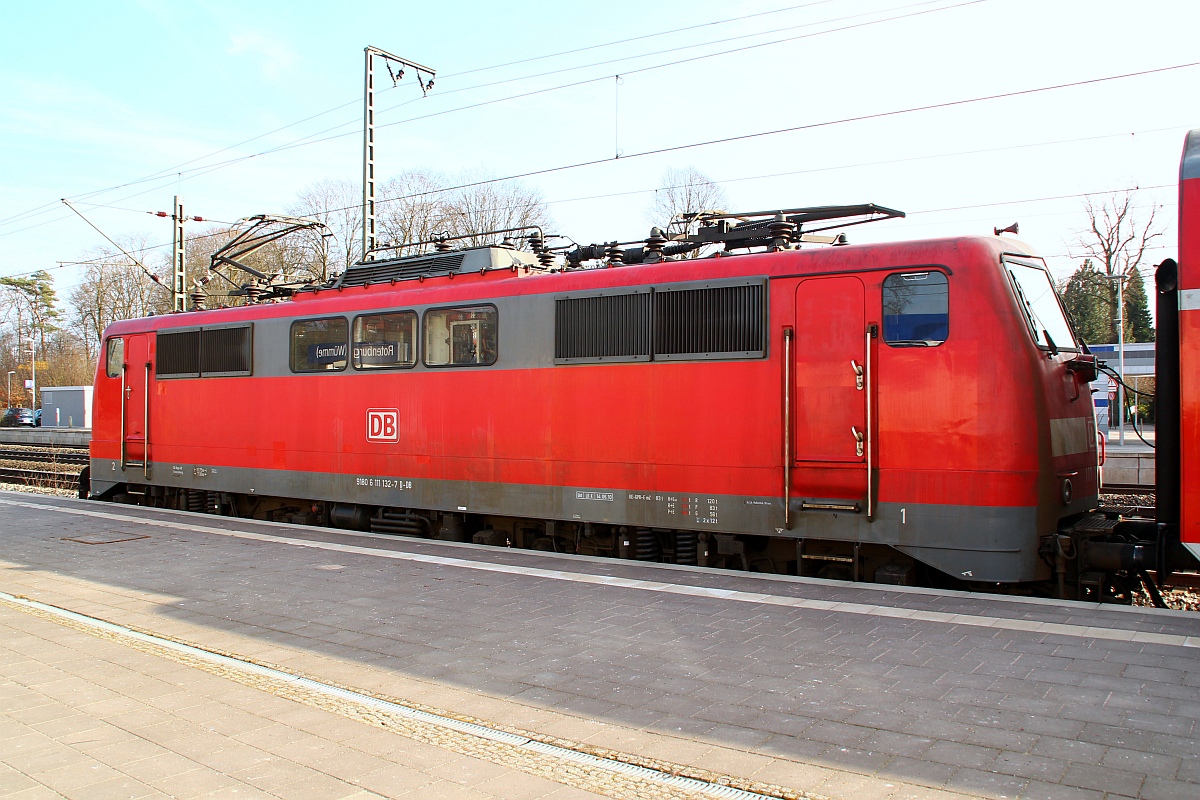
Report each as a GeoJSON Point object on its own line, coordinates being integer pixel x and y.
{"type": "Point", "coordinates": [96, 95]}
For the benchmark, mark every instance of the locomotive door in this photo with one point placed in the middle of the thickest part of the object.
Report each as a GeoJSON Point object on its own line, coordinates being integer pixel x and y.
{"type": "Point", "coordinates": [831, 386]}
{"type": "Point", "coordinates": [135, 411]}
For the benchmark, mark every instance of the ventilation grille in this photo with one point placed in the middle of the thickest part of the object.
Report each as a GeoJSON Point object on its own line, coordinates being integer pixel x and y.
{"type": "Point", "coordinates": [178, 354]}
{"type": "Point", "coordinates": [401, 270]}
{"type": "Point", "coordinates": [208, 352]}
{"type": "Point", "coordinates": [693, 322]}
{"type": "Point", "coordinates": [602, 328]}
{"type": "Point", "coordinates": [715, 322]}
{"type": "Point", "coordinates": [225, 351]}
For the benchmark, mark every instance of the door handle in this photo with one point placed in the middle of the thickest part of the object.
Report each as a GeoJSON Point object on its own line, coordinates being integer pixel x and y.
{"type": "Point", "coordinates": [859, 438]}
{"type": "Point", "coordinates": [858, 376]}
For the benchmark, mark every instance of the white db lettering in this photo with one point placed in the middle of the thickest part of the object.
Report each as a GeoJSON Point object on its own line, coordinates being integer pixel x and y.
{"type": "Point", "coordinates": [383, 425]}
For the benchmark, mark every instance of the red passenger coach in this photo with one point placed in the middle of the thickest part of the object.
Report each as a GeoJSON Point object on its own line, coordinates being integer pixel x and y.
{"type": "Point", "coordinates": [1188, 304]}
{"type": "Point", "coordinates": [905, 412]}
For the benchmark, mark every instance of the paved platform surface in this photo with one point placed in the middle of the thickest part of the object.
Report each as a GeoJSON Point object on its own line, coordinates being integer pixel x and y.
{"type": "Point", "coordinates": [93, 719]}
{"type": "Point", "coordinates": [848, 691]}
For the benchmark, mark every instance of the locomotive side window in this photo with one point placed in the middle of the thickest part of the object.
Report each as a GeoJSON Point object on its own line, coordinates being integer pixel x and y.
{"type": "Point", "coordinates": [115, 357]}
{"type": "Point", "coordinates": [319, 345]}
{"type": "Point", "coordinates": [460, 337]}
{"type": "Point", "coordinates": [916, 309]}
{"type": "Point", "coordinates": [1043, 312]}
{"type": "Point", "coordinates": [385, 341]}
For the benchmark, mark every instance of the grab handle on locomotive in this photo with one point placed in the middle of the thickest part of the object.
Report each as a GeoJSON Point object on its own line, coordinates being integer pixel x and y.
{"type": "Point", "coordinates": [858, 376]}
{"type": "Point", "coordinates": [859, 438]}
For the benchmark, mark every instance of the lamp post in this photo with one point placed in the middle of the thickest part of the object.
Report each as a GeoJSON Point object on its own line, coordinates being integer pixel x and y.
{"type": "Point", "coordinates": [8, 393]}
{"type": "Point", "coordinates": [33, 379]}
{"type": "Point", "coordinates": [1120, 319]}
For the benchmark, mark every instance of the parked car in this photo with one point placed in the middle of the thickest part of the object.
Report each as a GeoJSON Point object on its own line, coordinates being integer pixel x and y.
{"type": "Point", "coordinates": [37, 418]}
{"type": "Point", "coordinates": [17, 418]}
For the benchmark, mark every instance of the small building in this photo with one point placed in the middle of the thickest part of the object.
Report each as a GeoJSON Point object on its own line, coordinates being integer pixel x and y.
{"type": "Point", "coordinates": [67, 407]}
{"type": "Point", "coordinates": [1139, 363]}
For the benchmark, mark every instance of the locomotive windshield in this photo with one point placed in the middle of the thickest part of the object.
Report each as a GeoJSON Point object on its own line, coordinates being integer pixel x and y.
{"type": "Point", "coordinates": [1043, 311]}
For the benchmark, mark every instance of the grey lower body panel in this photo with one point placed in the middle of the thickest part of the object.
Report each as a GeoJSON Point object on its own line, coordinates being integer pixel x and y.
{"type": "Point", "coordinates": [978, 543]}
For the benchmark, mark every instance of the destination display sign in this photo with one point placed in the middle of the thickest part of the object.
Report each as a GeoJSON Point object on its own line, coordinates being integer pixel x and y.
{"type": "Point", "coordinates": [327, 353]}
{"type": "Point", "coordinates": [377, 353]}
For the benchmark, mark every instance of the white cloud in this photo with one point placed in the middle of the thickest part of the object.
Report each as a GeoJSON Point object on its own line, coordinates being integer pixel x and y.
{"type": "Point", "coordinates": [275, 58]}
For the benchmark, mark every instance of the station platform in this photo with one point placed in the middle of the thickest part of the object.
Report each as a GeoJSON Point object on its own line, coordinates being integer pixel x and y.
{"type": "Point", "coordinates": [47, 437]}
{"type": "Point", "coordinates": [158, 653]}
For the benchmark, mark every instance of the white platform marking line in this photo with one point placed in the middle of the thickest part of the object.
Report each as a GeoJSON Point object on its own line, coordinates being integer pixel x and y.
{"type": "Point", "coordinates": [862, 609]}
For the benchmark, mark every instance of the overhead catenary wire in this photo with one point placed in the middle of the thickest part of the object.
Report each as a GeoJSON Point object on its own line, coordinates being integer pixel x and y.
{"type": "Point", "coordinates": [318, 138]}
{"type": "Point", "coordinates": [225, 231]}
{"type": "Point", "coordinates": [810, 126]}
{"type": "Point", "coordinates": [725, 40]}
{"type": "Point", "coordinates": [792, 129]}
{"type": "Point", "coordinates": [172, 170]}
{"type": "Point", "coordinates": [310, 140]}
{"type": "Point", "coordinates": [822, 169]}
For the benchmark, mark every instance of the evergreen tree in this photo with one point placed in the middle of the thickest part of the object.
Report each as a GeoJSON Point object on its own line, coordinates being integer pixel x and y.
{"type": "Point", "coordinates": [1090, 298]}
{"type": "Point", "coordinates": [1115, 242]}
{"type": "Point", "coordinates": [1138, 325]}
{"type": "Point", "coordinates": [34, 296]}
{"type": "Point", "coordinates": [1086, 297]}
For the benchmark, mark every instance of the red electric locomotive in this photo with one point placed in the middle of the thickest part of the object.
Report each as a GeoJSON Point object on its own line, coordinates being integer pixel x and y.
{"type": "Point", "coordinates": [902, 412]}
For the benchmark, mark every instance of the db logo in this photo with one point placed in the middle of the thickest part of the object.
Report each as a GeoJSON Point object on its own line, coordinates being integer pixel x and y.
{"type": "Point", "coordinates": [383, 425]}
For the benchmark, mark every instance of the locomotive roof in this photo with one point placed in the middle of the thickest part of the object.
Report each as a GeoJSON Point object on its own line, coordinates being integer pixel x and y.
{"type": "Point", "coordinates": [430, 265]}
{"type": "Point", "coordinates": [498, 272]}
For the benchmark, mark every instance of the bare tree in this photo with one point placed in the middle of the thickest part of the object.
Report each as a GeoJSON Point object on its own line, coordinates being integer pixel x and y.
{"type": "Point", "coordinates": [113, 288]}
{"type": "Point", "coordinates": [474, 210]}
{"type": "Point", "coordinates": [684, 192]}
{"type": "Point", "coordinates": [411, 209]}
{"type": "Point", "coordinates": [420, 211]}
{"type": "Point", "coordinates": [338, 204]}
{"type": "Point", "coordinates": [1115, 242]}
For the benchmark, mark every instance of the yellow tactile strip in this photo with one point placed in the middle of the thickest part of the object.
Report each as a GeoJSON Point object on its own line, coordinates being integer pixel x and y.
{"type": "Point", "coordinates": [548, 763]}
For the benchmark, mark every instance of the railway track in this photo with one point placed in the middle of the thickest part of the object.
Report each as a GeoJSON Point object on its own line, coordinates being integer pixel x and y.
{"type": "Point", "coordinates": [60, 456]}
{"type": "Point", "coordinates": [37, 477]}
{"type": "Point", "coordinates": [1127, 488]}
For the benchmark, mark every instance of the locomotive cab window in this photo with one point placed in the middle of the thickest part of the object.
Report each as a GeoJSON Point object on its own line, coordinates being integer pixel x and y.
{"type": "Point", "coordinates": [385, 341]}
{"type": "Point", "coordinates": [115, 357]}
{"type": "Point", "coordinates": [461, 337]}
{"type": "Point", "coordinates": [319, 345]}
{"type": "Point", "coordinates": [1039, 302]}
{"type": "Point", "coordinates": [916, 309]}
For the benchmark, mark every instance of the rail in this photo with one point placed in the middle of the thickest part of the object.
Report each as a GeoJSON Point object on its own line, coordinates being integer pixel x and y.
{"type": "Point", "coordinates": [74, 456]}
{"type": "Point", "coordinates": [1127, 488]}
{"type": "Point", "coordinates": [35, 477]}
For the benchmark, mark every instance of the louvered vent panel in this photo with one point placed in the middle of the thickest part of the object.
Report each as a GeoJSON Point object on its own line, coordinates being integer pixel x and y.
{"type": "Point", "coordinates": [225, 351]}
{"type": "Point", "coordinates": [602, 328]}
{"type": "Point", "coordinates": [714, 322]}
{"type": "Point", "coordinates": [401, 269]}
{"type": "Point", "coordinates": [178, 354]}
